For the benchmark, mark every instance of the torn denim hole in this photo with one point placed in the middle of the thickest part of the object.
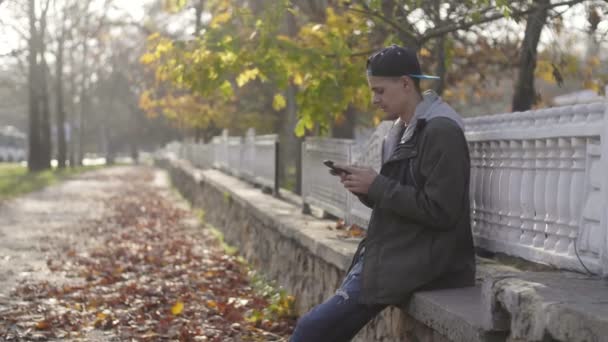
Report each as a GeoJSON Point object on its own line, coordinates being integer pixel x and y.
{"type": "Point", "coordinates": [342, 294]}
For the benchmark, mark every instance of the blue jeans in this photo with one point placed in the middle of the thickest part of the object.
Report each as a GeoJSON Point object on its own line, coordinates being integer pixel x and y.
{"type": "Point", "coordinates": [340, 317]}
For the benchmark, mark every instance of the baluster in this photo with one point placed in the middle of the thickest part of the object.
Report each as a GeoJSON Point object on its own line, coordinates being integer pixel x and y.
{"type": "Point", "coordinates": [577, 192]}
{"type": "Point", "coordinates": [514, 214]}
{"type": "Point", "coordinates": [480, 189]}
{"type": "Point", "coordinates": [473, 185]}
{"type": "Point", "coordinates": [539, 194]}
{"type": "Point", "coordinates": [503, 189]}
{"type": "Point", "coordinates": [487, 189]}
{"type": "Point", "coordinates": [551, 194]}
{"type": "Point", "coordinates": [493, 190]}
{"type": "Point", "coordinates": [527, 194]}
{"type": "Point", "coordinates": [563, 195]}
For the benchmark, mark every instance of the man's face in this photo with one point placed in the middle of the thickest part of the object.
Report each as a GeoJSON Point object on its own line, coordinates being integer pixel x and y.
{"type": "Point", "coordinates": [390, 94]}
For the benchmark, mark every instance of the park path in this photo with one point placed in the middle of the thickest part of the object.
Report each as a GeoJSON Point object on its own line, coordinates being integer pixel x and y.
{"type": "Point", "coordinates": [116, 255]}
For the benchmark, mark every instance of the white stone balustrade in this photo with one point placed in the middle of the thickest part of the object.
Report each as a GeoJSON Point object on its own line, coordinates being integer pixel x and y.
{"type": "Point", "coordinates": [258, 164]}
{"type": "Point", "coordinates": [538, 184]}
{"type": "Point", "coordinates": [220, 150]}
{"type": "Point", "coordinates": [252, 158]}
{"type": "Point", "coordinates": [265, 161]}
{"type": "Point", "coordinates": [368, 155]}
{"type": "Point", "coordinates": [235, 154]}
{"type": "Point", "coordinates": [319, 188]}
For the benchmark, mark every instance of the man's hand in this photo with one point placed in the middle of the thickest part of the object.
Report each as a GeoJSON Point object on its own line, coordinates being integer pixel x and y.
{"type": "Point", "coordinates": [359, 180]}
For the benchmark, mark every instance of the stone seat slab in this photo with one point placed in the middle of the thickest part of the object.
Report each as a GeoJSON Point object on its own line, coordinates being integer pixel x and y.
{"type": "Point", "coordinates": [455, 313]}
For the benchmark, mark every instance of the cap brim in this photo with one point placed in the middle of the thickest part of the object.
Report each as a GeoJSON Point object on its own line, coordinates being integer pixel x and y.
{"type": "Point", "coordinates": [425, 77]}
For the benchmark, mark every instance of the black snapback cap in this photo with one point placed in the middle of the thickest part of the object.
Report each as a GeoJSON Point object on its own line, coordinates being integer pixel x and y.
{"type": "Point", "coordinates": [396, 61]}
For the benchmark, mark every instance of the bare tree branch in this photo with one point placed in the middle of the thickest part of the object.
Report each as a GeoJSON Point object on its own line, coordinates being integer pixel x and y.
{"type": "Point", "coordinates": [466, 24]}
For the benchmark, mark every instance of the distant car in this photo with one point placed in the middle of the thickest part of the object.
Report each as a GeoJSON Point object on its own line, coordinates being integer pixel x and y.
{"type": "Point", "coordinates": [13, 145]}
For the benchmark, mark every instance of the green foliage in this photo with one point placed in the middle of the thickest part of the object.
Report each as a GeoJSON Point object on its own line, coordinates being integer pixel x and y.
{"type": "Point", "coordinates": [200, 214]}
{"type": "Point", "coordinates": [228, 249]}
{"type": "Point", "coordinates": [281, 304]}
{"type": "Point", "coordinates": [15, 179]}
{"type": "Point", "coordinates": [227, 197]}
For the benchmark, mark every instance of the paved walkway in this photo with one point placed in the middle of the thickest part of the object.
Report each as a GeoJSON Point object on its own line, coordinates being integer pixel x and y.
{"type": "Point", "coordinates": [115, 254]}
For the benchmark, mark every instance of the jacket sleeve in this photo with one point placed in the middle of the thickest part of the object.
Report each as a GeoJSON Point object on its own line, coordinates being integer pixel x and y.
{"type": "Point", "coordinates": [365, 199]}
{"type": "Point", "coordinates": [444, 164]}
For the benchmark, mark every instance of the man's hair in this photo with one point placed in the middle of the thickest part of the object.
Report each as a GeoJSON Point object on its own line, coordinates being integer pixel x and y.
{"type": "Point", "coordinates": [416, 84]}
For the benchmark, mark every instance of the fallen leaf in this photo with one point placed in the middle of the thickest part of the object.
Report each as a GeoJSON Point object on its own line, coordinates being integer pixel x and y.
{"type": "Point", "coordinates": [177, 308]}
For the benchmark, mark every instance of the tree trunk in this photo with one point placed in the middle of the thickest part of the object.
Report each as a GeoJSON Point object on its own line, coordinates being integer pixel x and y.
{"type": "Point", "coordinates": [45, 122]}
{"type": "Point", "coordinates": [525, 93]}
{"type": "Point", "coordinates": [346, 128]}
{"type": "Point", "coordinates": [198, 8]}
{"type": "Point", "coordinates": [441, 67]}
{"type": "Point", "coordinates": [83, 95]}
{"type": "Point", "coordinates": [71, 133]}
{"type": "Point", "coordinates": [61, 139]}
{"type": "Point", "coordinates": [45, 118]}
{"type": "Point", "coordinates": [290, 151]}
{"type": "Point", "coordinates": [34, 110]}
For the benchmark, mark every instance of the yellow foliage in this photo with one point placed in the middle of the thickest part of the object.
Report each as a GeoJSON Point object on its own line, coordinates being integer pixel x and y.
{"type": "Point", "coordinates": [594, 61]}
{"type": "Point", "coordinates": [219, 19]}
{"type": "Point", "coordinates": [425, 52]}
{"type": "Point", "coordinates": [297, 79]}
{"type": "Point", "coordinates": [163, 46]}
{"type": "Point", "coordinates": [147, 58]}
{"type": "Point", "coordinates": [278, 102]}
{"type": "Point", "coordinates": [153, 36]}
{"type": "Point", "coordinates": [246, 76]}
{"type": "Point", "coordinates": [544, 71]}
{"type": "Point", "coordinates": [228, 57]}
{"type": "Point", "coordinates": [174, 5]}
{"type": "Point", "coordinates": [592, 85]}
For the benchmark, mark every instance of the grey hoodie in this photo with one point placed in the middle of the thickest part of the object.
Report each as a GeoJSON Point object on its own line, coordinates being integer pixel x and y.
{"type": "Point", "coordinates": [431, 106]}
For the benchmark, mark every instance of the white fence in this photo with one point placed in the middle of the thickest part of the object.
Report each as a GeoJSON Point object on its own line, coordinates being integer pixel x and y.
{"type": "Point", "coordinates": [319, 188]}
{"type": "Point", "coordinates": [252, 158]}
{"type": "Point", "coordinates": [538, 187]}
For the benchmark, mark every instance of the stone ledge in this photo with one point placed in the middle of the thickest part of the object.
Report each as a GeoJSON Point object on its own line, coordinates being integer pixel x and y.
{"type": "Point", "coordinates": [457, 313]}
{"type": "Point", "coordinates": [308, 259]}
{"type": "Point", "coordinates": [560, 306]}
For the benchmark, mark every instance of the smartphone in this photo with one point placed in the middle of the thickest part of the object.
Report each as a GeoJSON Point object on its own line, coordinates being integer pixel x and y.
{"type": "Point", "coordinates": [337, 170]}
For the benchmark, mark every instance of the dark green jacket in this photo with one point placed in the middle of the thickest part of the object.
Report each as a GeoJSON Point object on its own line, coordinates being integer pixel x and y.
{"type": "Point", "coordinates": [419, 235]}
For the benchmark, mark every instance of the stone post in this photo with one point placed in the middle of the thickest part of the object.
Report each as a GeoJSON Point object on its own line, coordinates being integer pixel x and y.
{"type": "Point", "coordinates": [604, 188]}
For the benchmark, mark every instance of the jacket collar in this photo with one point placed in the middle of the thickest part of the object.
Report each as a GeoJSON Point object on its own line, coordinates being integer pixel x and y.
{"type": "Point", "coordinates": [430, 107]}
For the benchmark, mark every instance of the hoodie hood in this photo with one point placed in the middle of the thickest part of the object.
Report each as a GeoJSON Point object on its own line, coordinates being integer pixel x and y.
{"type": "Point", "coordinates": [431, 106]}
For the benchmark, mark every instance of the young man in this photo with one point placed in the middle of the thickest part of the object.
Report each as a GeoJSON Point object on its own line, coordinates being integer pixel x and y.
{"type": "Point", "coordinates": [419, 235]}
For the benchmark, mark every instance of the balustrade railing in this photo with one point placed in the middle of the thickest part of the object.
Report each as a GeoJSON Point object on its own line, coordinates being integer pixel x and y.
{"type": "Point", "coordinates": [320, 188]}
{"type": "Point", "coordinates": [252, 158]}
{"type": "Point", "coordinates": [533, 193]}
{"type": "Point", "coordinates": [368, 155]}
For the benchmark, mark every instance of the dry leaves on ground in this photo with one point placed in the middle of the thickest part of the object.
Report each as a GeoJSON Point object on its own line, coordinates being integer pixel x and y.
{"type": "Point", "coordinates": [151, 278]}
{"type": "Point", "coordinates": [349, 231]}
